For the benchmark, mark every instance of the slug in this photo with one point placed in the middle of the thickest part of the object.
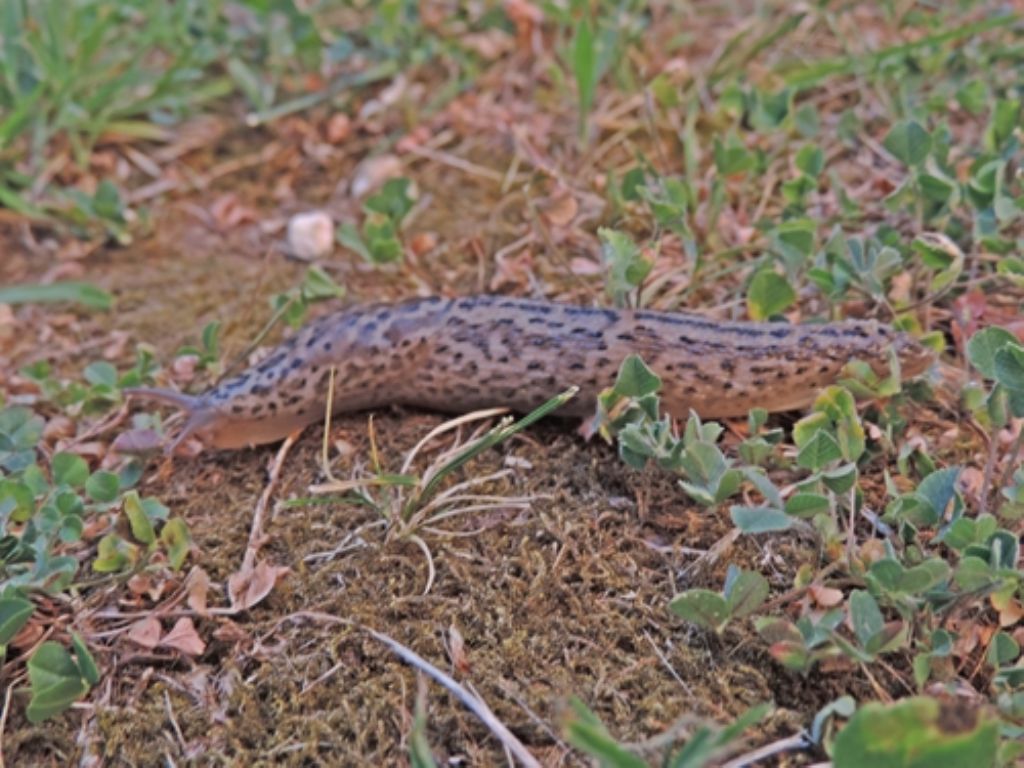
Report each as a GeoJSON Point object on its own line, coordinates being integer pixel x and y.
{"type": "Point", "coordinates": [457, 355]}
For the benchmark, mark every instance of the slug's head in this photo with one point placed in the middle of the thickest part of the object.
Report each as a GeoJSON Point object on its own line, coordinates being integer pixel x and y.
{"type": "Point", "coordinates": [201, 420]}
{"type": "Point", "coordinates": [217, 429]}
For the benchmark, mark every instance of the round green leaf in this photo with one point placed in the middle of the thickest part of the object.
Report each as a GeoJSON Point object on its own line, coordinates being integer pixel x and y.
{"type": "Point", "coordinates": [103, 486]}
{"type": "Point", "coordinates": [983, 346]}
{"type": "Point", "coordinates": [909, 142]}
{"type": "Point", "coordinates": [635, 379]}
{"type": "Point", "coordinates": [769, 294]}
{"type": "Point", "coordinates": [69, 469]}
{"type": "Point", "coordinates": [701, 606]}
{"type": "Point", "coordinates": [14, 614]}
{"type": "Point", "coordinates": [760, 519]}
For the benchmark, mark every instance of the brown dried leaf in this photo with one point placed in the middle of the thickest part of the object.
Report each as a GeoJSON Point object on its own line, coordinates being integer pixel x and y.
{"type": "Point", "coordinates": [183, 637]}
{"type": "Point", "coordinates": [137, 441]}
{"type": "Point", "coordinates": [117, 346]}
{"type": "Point", "coordinates": [902, 283]}
{"type": "Point", "coordinates": [230, 632]}
{"type": "Point", "coordinates": [250, 585]}
{"type": "Point", "coordinates": [339, 128]}
{"type": "Point", "coordinates": [423, 242]}
{"type": "Point", "coordinates": [183, 368]}
{"type": "Point", "coordinates": [457, 650]}
{"type": "Point", "coordinates": [146, 632]}
{"type": "Point", "coordinates": [198, 586]}
{"type": "Point", "coordinates": [58, 428]}
{"type": "Point", "coordinates": [371, 174]}
{"type": "Point", "coordinates": [826, 597]}
{"type": "Point", "coordinates": [560, 209]}
{"type": "Point", "coordinates": [28, 636]}
{"type": "Point", "coordinates": [227, 212]}
{"type": "Point", "coordinates": [585, 267]}
{"type": "Point", "coordinates": [490, 44]}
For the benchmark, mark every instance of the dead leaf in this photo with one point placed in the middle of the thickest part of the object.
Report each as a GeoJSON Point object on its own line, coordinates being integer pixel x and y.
{"type": "Point", "coordinates": [58, 428]}
{"type": "Point", "coordinates": [137, 441]}
{"type": "Point", "coordinates": [227, 212]}
{"type": "Point", "coordinates": [371, 174]}
{"type": "Point", "coordinates": [423, 242]}
{"type": "Point", "coordinates": [971, 479]}
{"type": "Point", "coordinates": [490, 44]}
{"type": "Point", "coordinates": [872, 550]}
{"type": "Point", "coordinates": [183, 368]}
{"type": "Point", "coordinates": [146, 632]}
{"type": "Point", "coordinates": [118, 344]}
{"type": "Point", "coordinates": [826, 597]}
{"type": "Point", "coordinates": [230, 632]}
{"type": "Point", "coordinates": [899, 293]}
{"type": "Point", "coordinates": [526, 17]}
{"type": "Point", "coordinates": [1010, 609]}
{"type": "Point", "coordinates": [198, 586]}
{"type": "Point", "coordinates": [249, 586]}
{"type": "Point", "coordinates": [585, 267]}
{"type": "Point", "coordinates": [339, 128]}
{"type": "Point", "coordinates": [183, 637]}
{"type": "Point", "coordinates": [560, 209]}
{"type": "Point", "coordinates": [457, 650]}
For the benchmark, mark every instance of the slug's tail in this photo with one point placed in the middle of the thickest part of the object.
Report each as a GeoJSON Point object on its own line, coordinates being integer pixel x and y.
{"type": "Point", "coordinates": [197, 412]}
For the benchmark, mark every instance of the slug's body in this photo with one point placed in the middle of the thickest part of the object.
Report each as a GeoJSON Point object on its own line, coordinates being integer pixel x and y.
{"type": "Point", "coordinates": [458, 355]}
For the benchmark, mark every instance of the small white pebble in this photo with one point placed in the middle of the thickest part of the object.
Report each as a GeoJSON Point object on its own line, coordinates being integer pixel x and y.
{"type": "Point", "coordinates": [310, 235]}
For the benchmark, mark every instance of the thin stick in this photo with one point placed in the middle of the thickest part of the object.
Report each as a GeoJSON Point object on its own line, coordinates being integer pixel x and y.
{"type": "Point", "coordinates": [797, 741]}
{"type": "Point", "coordinates": [986, 482]}
{"type": "Point", "coordinates": [1011, 459]}
{"type": "Point", "coordinates": [447, 426]}
{"type": "Point", "coordinates": [3, 722]}
{"type": "Point", "coordinates": [256, 530]}
{"type": "Point", "coordinates": [431, 571]}
{"type": "Point", "coordinates": [324, 463]}
{"type": "Point", "coordinates": [446, 158]}
{"type": "Point", "coordinates": [475, 705]}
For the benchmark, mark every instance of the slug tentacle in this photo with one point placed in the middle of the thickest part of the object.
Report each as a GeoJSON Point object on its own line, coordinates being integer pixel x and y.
{"type": "Point", "coordinates": [463, 354]}
{"type": "Point", "coordinates": [198, 413]}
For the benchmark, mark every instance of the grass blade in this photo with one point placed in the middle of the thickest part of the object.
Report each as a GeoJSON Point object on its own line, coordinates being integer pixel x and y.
{"type": "Point", "coordinates": [86, 294]}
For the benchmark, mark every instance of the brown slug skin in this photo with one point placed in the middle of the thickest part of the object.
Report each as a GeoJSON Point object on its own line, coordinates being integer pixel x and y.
{"type": "Point", "coordinates": [458, 355]}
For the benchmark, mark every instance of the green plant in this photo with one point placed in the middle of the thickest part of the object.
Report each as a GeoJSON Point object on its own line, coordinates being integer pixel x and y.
{"type": "Point", "coordinates": [935, 561]}
{"type": "Point", "coordinates": [379, 242]}
{"type": "Point", "coordinates": [409, 502]}
{"type": "Point", "coordinates": [744, 593]}
{"type": "Point", "coordinates": [707, 744]}
{"type": "Point", "coordinates": [44, 509]}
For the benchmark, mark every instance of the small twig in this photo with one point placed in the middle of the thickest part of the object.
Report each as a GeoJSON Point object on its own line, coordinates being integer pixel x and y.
{"type": "Point", "coordinates": [475, 705]}
{"type": "Point", "coordinates": [309, 686]}
{"type": "Point", "coordinates": [431, 571]}
{"type": "Point", "coordinates": [1011, 458]}
{"type": "Point", "coordinates": [445, 158]}
{"type": "Point", "coordinates": [174, 721]}
{"type": "Point", "coordinates": [325, 464]}
{"type": "Point", "coordinates": [990, 467]}
{"type": "Point", "coordinates": [256, 530]}
{"type": "Point", "coordinates": [267, 328]}
{"type": "Point", "coordinates": [3, 722]}
{"type": "Point", "coordinates": [668, 665]}
{"type": "Point", "coordinates": [100, 427]}
{"type": "Point", "coordinates": [447, 426]}
{"type": "Point", "coordinates": [851, 525]}
{"type": "Point", "coordinates": [797, 741]}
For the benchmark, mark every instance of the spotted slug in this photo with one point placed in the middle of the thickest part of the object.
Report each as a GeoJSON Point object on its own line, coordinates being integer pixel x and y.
{"type": "Point", "coordinates": [457, 355]}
